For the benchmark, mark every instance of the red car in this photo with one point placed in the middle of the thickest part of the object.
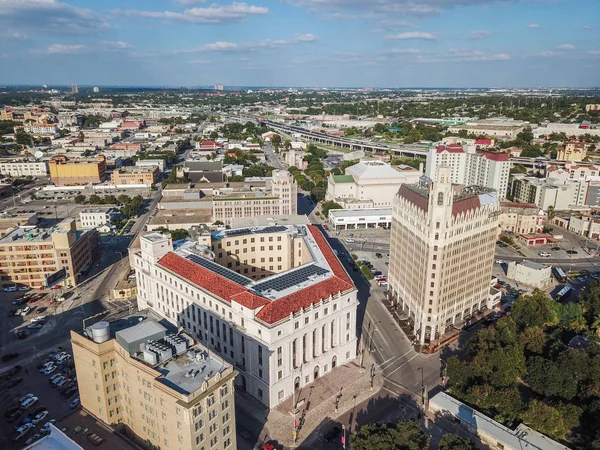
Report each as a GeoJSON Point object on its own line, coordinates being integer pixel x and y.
{"type": "Point", "coordinates": [56, 286]}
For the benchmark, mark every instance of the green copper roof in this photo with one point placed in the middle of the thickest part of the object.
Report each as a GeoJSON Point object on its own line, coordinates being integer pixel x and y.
{"type": "Point", "coordinates": [343, 179]}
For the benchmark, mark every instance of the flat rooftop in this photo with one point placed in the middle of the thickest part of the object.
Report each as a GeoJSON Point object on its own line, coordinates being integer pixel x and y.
{"type": "Point", "coordinates": [183, 364]}
{"type": "Point", "coordinates": [533, 265]}
{"type": "Point", "coordinates": [28, 234]}
{"type": "Point", "coordinates": [176, 216]}
{"type": "Point", "coordinates": [361, 212]}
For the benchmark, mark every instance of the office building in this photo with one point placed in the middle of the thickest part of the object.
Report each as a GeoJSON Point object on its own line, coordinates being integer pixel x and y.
{"type": "Point", "coordinates": [29, 255]}
{"type": "Point", "coordinates": [486, 169]}
{"type": "Point", "coordinates": [202, 171]}
{"type": "Point", "coordinates": [574, 171]}
{"type": "Point", "coordinates": [274, 301]}
{"type": "Point", "coordinates": [219, 87]}
{"type": "Point", "coordinates": [160, 163]}
{"type": "Point", "coordinates": [98, 217]}
{"type": "Point", "coordinates": [135, 175]}
{"type": "Point", "coordinates": [521, 218]}
{"type": "Point", "coordinates": [442, 247]}
{"type": "Point", "coordinates": [167, 390]}
{"type": "Point", "coordinates": [67, 172]}
{"type": "Point", "coordinates": [561, 195]}
{"type": "Point", "coordinates": [369, 184]}
{"type": "Point", "coordinates": [95, 89]}
{"type": "Point", "coordinates": [74, 89]}
{"type": "Point", "coordinates": [360, 219]}
{"type": "Point", "coordinates": [247, 203]}
{"type": "Point", "coordinates": [39, 128]}
{"type": "Point", "coordinates": [24, 168]}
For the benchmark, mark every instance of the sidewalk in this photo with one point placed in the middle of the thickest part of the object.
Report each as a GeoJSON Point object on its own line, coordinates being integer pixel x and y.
{"type": "Point", "coordinates": [316, 403]}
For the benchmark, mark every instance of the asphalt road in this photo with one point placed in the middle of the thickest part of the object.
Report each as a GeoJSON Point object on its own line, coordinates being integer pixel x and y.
{"type": "Point", "coordinates": [272, 159]}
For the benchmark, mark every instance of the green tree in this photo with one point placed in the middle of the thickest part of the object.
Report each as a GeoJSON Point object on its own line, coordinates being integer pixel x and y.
{"type": "Point", "coordinates": [329, 205]}
{"type": "Point", "coordinates": [22, 138]}
{"type": "Point", "coordinates": [79, 199]}
{"type": "Point", "coordinates": [519, 168]}
{"type": "Point", "coordinates": [400, 436]}
{"type": "Point", "coordinates": [124, 199]}
{"type": "Point", "coordinates": [455, 442]}
{"type": "Point", "coordinates": [534, 310]}
{"type": "Point", "coordinates": [95, 199]}
{"type": "Point", "coordinates": [276, 141]}
{"type": "Point", "coordinates": [380, 128]}
{"type": "Point", "coordinates": [545, 419]}
{"type": "Point", "coordinates": [110, 199]}
{"type": "Point", "coordinates": [213, 135]}
{"type": "Point", "coordinates": [534, 339]}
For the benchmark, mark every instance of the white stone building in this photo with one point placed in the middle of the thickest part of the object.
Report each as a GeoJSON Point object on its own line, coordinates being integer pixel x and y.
{"type": "Point", "coordinates": [487, 169]}
{"type": "Point", "coordinates": [442, 247]}
{"type": "Point", "coordinates": [96, 218]}
{"type": "Point", "coordinates": [369, 184]}
{"type": "Point", "coordinates": [530, 273]}
{"type": "Point", "coordinates": [160, 163]}
{"type": "Point", "coordinates": [24, 168]}
{"type": "Point", "coordinates": [274, 301]}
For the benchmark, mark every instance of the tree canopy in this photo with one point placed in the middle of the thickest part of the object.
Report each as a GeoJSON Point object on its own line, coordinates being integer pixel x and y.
{"type": "Point", "coordinates": [399, 436]}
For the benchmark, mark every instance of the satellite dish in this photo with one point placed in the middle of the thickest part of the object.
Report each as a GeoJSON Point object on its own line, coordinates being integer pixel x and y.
{"type": "Point", "coordinates": [38, 154]}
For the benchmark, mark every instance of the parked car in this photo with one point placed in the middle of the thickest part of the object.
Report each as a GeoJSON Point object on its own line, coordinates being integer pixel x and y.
{"type": "Point", "coordinates": [581, 279]}
{"type": "Point", "coordinates": [9, 356]}
{"type": "Point", "coordinates": [12, 383]}
{"type": "Point", "coordinates": [14, 415]}
{"type": "Point", "coordinates": [23, 430]}
{"type": "Point", "coordinates": [58, 380]}
{"type": "Point", "coordinates": [62, 382]}
{"type": "Point", "coordinates": [555, 249]}
{"type": "Point", "coordinates": [12, 372]}
{"type": "Point", "coordinates": [46, 428]}
{"type": "Point", "coordinates": [75, 402]}
{"type": "Point", "coordinates": [48, 370]}
{"type": "Point", "coordinates": [25, 397]}
{"type": "Point", "coordinates": [544, 254]}
{"type": "Point", "coordinates": [378, 255]}
{"type": "Point", "coordinates": [572, 252]}
{"type": "Point", "coordinates": [29, 402]}
{"type": "Point", "coordinates": [39, 417]}
{"type": "Point", "coordinates": [500, 261]}
{"type": "Point", "coordinates": [26, 311]}
{"type": "Point", "coordinates": [349, 241]}
{"type": "Point", "coordinates": [10, 289]}
{"type": "Point", "coordinates": [33, 438]}
{"type": "Point", "coordinates": [24, 288]}
{"type": "Point", "coordinates": [35, 326]}
{"type": "Point", "coordinates": [22, 334]}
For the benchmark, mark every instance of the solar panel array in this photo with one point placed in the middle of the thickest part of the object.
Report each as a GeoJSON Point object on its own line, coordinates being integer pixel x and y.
{"type": "Point", "coordinates": [238, 232]}
{"type": "Point", "coordinates": [224, 272]}
{"type": "Point", "coordinates": [290, 279]}
{"type": "Point", "coordinates": [275, 229]}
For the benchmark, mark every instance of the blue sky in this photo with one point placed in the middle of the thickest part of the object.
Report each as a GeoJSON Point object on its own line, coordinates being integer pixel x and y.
{"type": "Point", "coordinates": [373, 43]}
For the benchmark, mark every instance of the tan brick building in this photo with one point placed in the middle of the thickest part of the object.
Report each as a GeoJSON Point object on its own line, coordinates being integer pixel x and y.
{"type": "Point", "coordinates": [29, 254]}
{"type": "Point", "coordinates": [157, 382]}
{"type": "Point", "coordinates": [442, 253]}
{"type": "Point", "coordinates": [135, 175]}
{"type": "Point", "coordinates": [66, 172]}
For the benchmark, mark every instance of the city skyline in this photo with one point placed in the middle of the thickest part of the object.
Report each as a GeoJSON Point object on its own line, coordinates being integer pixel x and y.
{"type": "Point", "coordinates": [345, 43]}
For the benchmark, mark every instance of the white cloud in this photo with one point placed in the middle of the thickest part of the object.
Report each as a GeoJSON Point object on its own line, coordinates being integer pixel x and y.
{"type": "Point", "coordinates": [565, 47]}
{"type": "Point", "coordinates": [189, 2]}
{"type": "Point", "coordinates": [236, 12]}
{"type": "Point", "coordinates": [199, 61]}
{"type": "Point", "coordinates": [64, 49]}
{"type": "Point", "coordinates": [587, 27]}
{"type": "Point", "coordinates": [593, 52]}
{"type": "Point", "coordinates": [462, 55]}
{"type": "Point", "coordinates": [400, 51]}
{"type": "Point", "coordinates": [479, 34]}
{"type": "Point", "coordinates": [413, 35]}
{"type": "Point", "coordinates": [252, 46]}
{"type": "Point", "coordinates": [13, 35]}
{"type": "Point", "coordinates": [49, 16]}
{"type": "Point", "coordinates": [546, 54]}
{"type": "Point", "coordinates": [116, 45]}
{"type": "Point", "coordinates": [533, 25]}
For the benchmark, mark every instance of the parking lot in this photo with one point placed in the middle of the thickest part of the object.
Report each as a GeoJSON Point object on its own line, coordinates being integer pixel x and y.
{"type": "Point", "coordinates": [26, 393]}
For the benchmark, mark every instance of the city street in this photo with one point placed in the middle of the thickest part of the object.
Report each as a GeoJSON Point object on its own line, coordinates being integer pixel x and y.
{"type": "Point", "coordinates": [272, 159]}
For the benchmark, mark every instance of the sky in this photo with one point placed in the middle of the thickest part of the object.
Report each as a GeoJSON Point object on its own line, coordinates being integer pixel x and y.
{"type": "Point", "coordinates": [304, 43]}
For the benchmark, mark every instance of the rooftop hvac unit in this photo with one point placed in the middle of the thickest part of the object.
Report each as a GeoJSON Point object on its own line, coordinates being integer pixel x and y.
{"type": "Point", "coordinates": [100, 332]}
{"type": "Point", "coordinates": [176, 342]}
{"type": "Point", "coordinates": [150, 357]}
{"type": "Point", "coordinates": [163, 351]}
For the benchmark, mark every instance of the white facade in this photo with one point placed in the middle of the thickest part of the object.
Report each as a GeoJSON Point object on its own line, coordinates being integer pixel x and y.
{"type": "Point", "coordinates": [24, 168]}
{"type": "Point", "coordinates": [41, 128]}
{"type": "Point", "coordinates": [374, 183]}
{"type": "Point", "coordinates": [530, 273]}
{"type": "Point", "coordinates": [278, 343]}
{"type": "Point", "coordinates": [546, 192]}
{"type": "Point", "coordinates": [357, 219]}
{"type": "Point", "coordinates": [95, 218]}
{"type": "Point", "coordinates": [490, 170]}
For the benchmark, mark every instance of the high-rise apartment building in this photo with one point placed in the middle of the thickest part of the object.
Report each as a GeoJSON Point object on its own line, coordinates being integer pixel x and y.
{"type": "Point", "coordinates": [219, 87]}
{"type": "Point", "coordinates": [274, 301]}
{"type": "Point", "coordinates": [74, 89]}
{"type": "Point", "coordinates": [486, 169]}
{"type": "Point", "coordinates": [442, 247]}
{"type": "Point", "coordinates": [29, 255]}
{"type": "Point", "coordinates": [169, 391]}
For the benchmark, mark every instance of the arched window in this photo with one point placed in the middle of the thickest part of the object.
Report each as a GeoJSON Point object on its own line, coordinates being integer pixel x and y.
{"type": "Point", "coordinates": [440, 199]}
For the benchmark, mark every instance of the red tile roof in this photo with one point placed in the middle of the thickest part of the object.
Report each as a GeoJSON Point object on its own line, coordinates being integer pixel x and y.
{"type": "Point", "coordinates": [483, 142]}
{"type": "Point", "coordinates": [413, 197]}
{"type": "Point", "coordinates": [466, 205]}
{"type": "Point", "coordinates": [452, 148]}
{"type": "Point", "coordinates": [200, 276]}
{"type": "Point", "coordinates": [497, 156]}
{"type": "Point", "coordinates": [210, 144]}
{"type": "Point", "coordinates": [271, 310]}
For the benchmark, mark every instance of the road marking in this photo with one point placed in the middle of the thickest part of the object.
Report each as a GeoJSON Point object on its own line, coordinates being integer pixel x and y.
{"type": "Point", "coordinates": [400, 367]}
